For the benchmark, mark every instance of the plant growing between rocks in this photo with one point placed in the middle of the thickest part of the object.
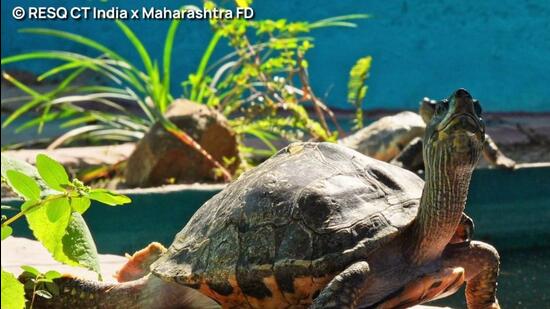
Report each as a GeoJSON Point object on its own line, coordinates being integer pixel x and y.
{"type": "Point", "coordinates": [53, 206]}
{"type": "Point", "coordinates": [262, 87]}
{"type": "Point", "coordinates": [149, 88]}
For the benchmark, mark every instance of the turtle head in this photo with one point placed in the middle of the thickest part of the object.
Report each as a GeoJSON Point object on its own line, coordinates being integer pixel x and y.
{"type": "Point", "coordinates": [455, 130]}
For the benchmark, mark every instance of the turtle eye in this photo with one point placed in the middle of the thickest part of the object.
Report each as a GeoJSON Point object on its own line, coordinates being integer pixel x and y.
{"type": "Point", "coordinates": [442, 106]}
{"type": "Point", "coordinates": [477, 107]}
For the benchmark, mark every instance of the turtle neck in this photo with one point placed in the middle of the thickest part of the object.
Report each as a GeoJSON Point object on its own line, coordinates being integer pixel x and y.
{"type": "Point", "coordinates": [442, 202]}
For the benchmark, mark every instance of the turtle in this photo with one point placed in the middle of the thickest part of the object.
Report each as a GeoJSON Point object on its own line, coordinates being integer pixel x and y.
{"type": "Point", "coordinates": [398, 139]}
{"type": "Point", "coordinates": [320, 225]}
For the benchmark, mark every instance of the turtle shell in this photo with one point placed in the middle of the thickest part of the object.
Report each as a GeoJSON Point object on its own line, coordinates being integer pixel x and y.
{"type": "Point", "coordinates": [281, 231]}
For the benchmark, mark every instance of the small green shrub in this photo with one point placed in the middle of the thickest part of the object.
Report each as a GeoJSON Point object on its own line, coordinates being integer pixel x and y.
{"type": "Point", "coordinates": [53, 206]}
{"type": "Point", "coordinates": [263, 86]}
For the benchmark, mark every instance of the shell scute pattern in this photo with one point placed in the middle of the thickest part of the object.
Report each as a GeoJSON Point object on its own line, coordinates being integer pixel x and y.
{"type": "Point", "coordinates": [282, 228]}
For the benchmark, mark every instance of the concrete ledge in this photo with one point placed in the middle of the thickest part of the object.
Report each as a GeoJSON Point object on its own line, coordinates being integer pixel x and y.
{"type": "Point", "coordinates": [78, 157]}
{"type": "Point", "coordinates": [18, 251]}
{"type": "Point", "coordinates": [533, 165]}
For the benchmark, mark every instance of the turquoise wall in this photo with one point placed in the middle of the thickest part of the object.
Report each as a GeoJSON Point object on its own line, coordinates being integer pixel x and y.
{"type": "Point", "coordinates": [498, 49]}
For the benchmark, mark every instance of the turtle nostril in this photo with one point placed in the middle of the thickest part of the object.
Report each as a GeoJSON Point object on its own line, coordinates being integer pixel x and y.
{"type": "Point", "coordinates": [463, 102]}
{"type": "Point", "coordinates": [462, 93]}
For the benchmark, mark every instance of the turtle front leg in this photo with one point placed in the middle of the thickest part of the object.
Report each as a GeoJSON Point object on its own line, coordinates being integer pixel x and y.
{"type": "Point", "coordinates": [481, 265]}
{"type": "Point", "coordinates": [343, 290]}
{"type": "Point", "coordinates": [139, 263]}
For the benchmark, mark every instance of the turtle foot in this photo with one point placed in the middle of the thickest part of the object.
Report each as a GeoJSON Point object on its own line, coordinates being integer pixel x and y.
{"type": "Point", "coordinates": [138, 264]}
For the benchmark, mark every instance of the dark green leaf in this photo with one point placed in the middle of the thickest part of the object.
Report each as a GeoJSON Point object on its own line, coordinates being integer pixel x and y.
{"type": "Point", "coordinates": [142, 51]}
{"type": "Point", "coordinates": [108, 197]}
{"type": "Point", "coordinates": [56, 208]}
{"type": "Point", "coordinates": [78, 244]}
{"type": "Point", "coordinates": [73, 37]}
{"type": "Point", "coordinates": [166, 61]}
{"type": "Point", "coordinates": [37, 99]}
{"type": "Point", "coordinates": [53, 173]}
{"type": "Point", "coordinates": [23, 185]}
{"type": "Point", "coordinates": [6, 231]}
{"type": "Point", "coordinates": [13, 292]}
{"type": "Point", "coordinates": [52, 288]}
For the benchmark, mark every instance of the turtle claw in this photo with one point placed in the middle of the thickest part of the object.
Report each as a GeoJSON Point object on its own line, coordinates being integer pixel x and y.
{"type": "Point", "coordinates": [494, 306]}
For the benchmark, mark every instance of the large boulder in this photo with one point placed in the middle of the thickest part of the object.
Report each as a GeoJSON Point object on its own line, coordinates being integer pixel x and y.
{"type": "Point", "coordinates": [160, 158]}
{"type": "Point", "coordinates": [385, 138]}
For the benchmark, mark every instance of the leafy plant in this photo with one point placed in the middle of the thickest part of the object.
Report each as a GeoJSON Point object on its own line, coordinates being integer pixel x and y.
{"type": "Point", "coordinates": [149, 88]}
{"type": "Point", "coordinates": [262, 87]}
{"type": "Point", "coordinates": [357, 90]}
{"type": "Point", "coordinates": [41, 284]}
{"type": "Point", "coordinates": [53, 206]}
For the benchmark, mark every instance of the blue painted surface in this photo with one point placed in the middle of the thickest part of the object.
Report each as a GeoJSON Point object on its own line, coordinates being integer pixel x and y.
{"type": "Point", "coordinates": [510, 210]}
{"type": "Point", "coordinates": [499, 49]}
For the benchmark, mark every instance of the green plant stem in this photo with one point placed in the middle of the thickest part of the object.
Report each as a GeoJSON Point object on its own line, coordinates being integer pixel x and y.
{"type": "Point", "coordinates": [317, 104]}
{"type": "Point", "coordinates": [33, 295]}
{"type": "Point", "coordinates": [35, 205]}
